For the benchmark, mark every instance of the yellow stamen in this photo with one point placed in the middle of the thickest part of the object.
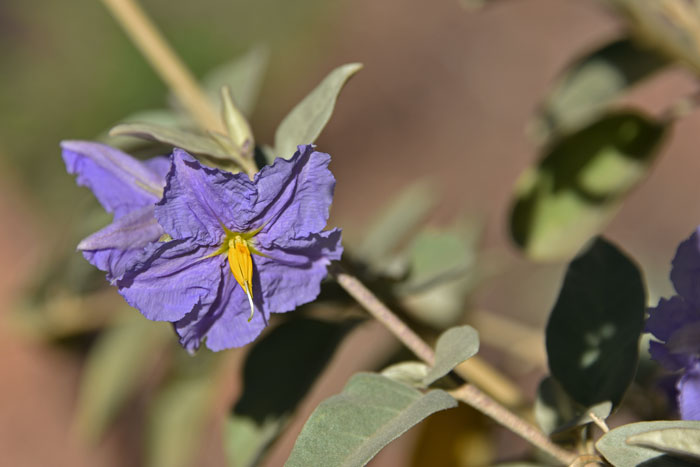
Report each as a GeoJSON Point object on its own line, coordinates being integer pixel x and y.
{"type": "Point", "coordinates": [241, 266]}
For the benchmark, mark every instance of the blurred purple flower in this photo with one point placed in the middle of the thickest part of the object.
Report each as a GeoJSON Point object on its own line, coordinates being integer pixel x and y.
{"type": "Point", "coordinates": [240, 249]}
{"type": "Point", "coordinates": [676, 323]}
{"type": "Point", "coordinates": [126, 187]}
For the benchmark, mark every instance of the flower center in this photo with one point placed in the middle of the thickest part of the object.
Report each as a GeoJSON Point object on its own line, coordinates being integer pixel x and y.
{"type": "Point", "coordinates": [239, 247]}
{"type": "Point", "coordinates": [241, 265]}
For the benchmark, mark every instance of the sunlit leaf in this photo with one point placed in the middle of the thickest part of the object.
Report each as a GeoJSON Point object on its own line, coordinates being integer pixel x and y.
{"type": "Point", "coordinates": [352, 427]}
{"type": "Point", "coordinates": [190, 141]}
{"type": "Point", "coordinates": [243, 75]}
{"type": "Point", "coordinates": [616, 450]}
{"type": "Point", "coordinates": [683, 442]}
{"type": "Point", "coordinates": [580, 184]}
{"type": "Point", "coordinates": [306, 121]}
{"type": "Point", "coordinates": [556, 412]}
{"type": "Point", "coordinates": [453, 347]}
{"type": "Point", "coordinates": [291, 356]}
{"type": "Point", "coordinates": [180, 411]}
{"type": "Point", "coordinates": [593, 331]}
{"type": "Point", "coordinates": [591, 82]}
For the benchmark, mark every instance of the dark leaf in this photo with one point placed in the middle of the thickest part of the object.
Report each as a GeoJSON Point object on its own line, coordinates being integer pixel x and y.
{"type": "Point", "coordinates": [593, 331]}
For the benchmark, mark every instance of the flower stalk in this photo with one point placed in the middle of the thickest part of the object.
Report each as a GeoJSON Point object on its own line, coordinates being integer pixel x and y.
{"type": "Point", "coordinates": [467, 393]}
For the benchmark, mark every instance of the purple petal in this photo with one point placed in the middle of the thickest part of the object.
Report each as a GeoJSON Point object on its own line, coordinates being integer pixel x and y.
{"type": "Point", "coordinates": [689, 394]}
{"type": "Point", "coordinates": [670, 315]}
{"type": "Point", "coordinates": [672, 362]}
{"type": "Point", "coordinates": [117, 246]}
{"type": "Point", "coordinates": [294, 195]}
{"type": "Point", "coordinates": [171, 280]}
{"type": "Point", "coordinates": [291, 275]}
{"type": "Point", "coordinates": [198, 200]}
{"type": "Point", "coordinates": [120, 182]}
{"type": "Point", "coordinates": [224, 320]}
{"type": "Point", "coordinates": [685, 273]}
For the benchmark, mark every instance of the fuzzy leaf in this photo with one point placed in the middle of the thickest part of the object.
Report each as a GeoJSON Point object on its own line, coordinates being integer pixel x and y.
{"type": "Point", "coordinates": [190, 141]}
{"type": "Point", "coordinates": [593, 332]}
{"type": "Point", "coordinates": [350, 428]}
{"type": "Point", "coordinates": [453, 347]}
{"type": "Point", "coordinates": [581, 183]}
{"type": "Point", "coordinates": [614, 445]}
{"type": "Point", "coordinates": [411, 373]}
{"type": "Point", "coordinates": [306, 121]}
{"type": "Point", "coordinates": [676, 441]}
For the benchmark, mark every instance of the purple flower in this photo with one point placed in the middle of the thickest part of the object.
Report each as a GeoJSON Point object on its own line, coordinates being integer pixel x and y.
{"type": "Point", "coordinates": [240, 249]}
{"type": "Point", "coordinates": [126, 187]}
{"type": "Point", "coordinates": [676, 323]}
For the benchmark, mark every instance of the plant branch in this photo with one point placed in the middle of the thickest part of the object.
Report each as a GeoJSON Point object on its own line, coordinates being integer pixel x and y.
{"type": "Point", "coordinates": [163, 59]}
{"type": "Point", "coordinates": [467, 393]}
{"type": "Point", "coordinates": [144, 34]}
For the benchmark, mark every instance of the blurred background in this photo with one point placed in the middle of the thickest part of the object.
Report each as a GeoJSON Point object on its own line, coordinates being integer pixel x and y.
{"type": "Point", "coordinates": [447, 93]}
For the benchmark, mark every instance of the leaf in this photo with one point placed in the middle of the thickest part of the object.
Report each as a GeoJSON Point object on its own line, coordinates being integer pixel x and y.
{"type": "Point", "coordinates": [580, 184]}
{"type": "Point", "coordinates": [350, 428]}
{"type": "Point", "coordinates": [683, 442]}
{"type": "Point", "coordinates": [614, 447]}
{"type": "Point", "coordinates": [161, 117]}
{"type": "Point", "coordinates": [442, 274]}
{"type": "Point", "coordinates": [453, 347]}
{"type": "Point", "coordinates": [180, 411]}
{"type": "Point", "coordinates": [243, 75]}
{"type": "Point", "coordinates": [306, 121]}
{"type": "Point", "coordinates": [556, 412]}
{"type": "Point", "coordinates": [593, 331]}
{"type": "Point", "coordinates": [236, 124]}
{"type": "Point", "coordinates": [410, 373]}
{"type": "Point", "coordinates": [592, 81]}
{"type": "Point", "coordinates": [292, 356]}
{"type": "Point", "coordinates": [116, 366]}
{"type": "Point", "coordinates": [668, 27]}
{"type": "Point", "coordinates": [185, 139]}
{"type": "Point", "coordinates": [395, 220]}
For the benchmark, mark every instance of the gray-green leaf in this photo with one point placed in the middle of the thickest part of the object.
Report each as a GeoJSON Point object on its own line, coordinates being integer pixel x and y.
{"type": "Point", "coordinates": [115, 368]}
{"type": "Point", "coordinates": [395, 221]}
{"type": "Point", "coordinates": [236, 124]}
{"type": "Point", "coordinates": [580, 184]}
{"type": "Point", "coordinates": [411, 373]}
{"type": "Point", "coordinates": [190, 141]}
{"type": "Point", "coordinates": [592, 81]}
{"type": "Point", "coordinates": [453, 347]}
{"type": "Point", "coordinates": [243, 75]}
{"type": "Point", "coordinates": [306, 121]}
{"type": "Point", "coordinates": [352, 427]}
{"type": "Point", "coordinates": [676, 441]}
{"type": "Point", "coordinates": [593, 332]}
{"type": "Point", "coordinates": [614, 445]}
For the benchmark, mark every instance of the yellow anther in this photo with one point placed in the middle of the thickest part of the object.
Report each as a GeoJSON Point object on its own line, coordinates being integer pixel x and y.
{"type": "Point", "coordinates": [242, 267]}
